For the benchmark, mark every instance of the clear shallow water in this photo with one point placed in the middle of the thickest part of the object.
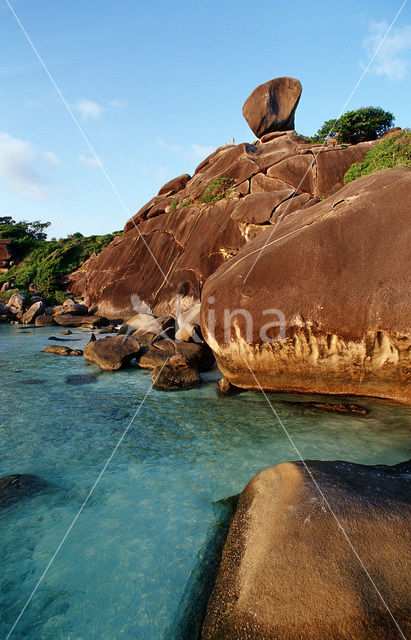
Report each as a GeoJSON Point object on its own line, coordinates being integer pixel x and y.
{"type": "Point", "coordinates": [123, 569]}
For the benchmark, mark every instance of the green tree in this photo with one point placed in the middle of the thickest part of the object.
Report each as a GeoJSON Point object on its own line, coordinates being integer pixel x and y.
{"type": "Point", "coordinates": [367, 123]}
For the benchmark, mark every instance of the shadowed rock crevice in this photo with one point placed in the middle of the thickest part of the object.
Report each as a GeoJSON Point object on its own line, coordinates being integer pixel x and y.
{"type": "Point", "coordinates": [191, 611]}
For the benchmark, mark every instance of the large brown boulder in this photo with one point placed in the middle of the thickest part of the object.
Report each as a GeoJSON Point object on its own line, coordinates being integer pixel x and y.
{"type": "Point", "coordinates": [112, 353]}
{"type": "Point", "coordinates": [166, 254]}
{"type": "Point", "coordinates": [288, 571]}
{"type": "Point", "coordinates": [335, 280]}
{"type": "Point", "coordinates": [271, 106]}
{"type": "Point", "coordinates": [174, 185]}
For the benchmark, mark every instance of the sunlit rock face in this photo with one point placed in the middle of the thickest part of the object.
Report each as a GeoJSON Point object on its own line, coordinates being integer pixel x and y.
{"type": "Point", "coordinates": [288, 571]}
{"type": "Point", "coordinates": [179, 238]}
{"type": "Point", "coordinates": [320, 303]}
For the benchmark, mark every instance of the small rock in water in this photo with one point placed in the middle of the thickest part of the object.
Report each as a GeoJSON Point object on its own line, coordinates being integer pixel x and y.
{"type": "Point", "coordinates": [225, 387]}
{"type": "Point", "coordinates": [66, 333]}
{"type": "Point", "coordinates": [62, 350]}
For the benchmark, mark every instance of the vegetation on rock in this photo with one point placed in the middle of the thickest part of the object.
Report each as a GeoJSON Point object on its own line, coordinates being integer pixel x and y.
{"type": "Point", "coordinates": [216, 190]}
{"type": "Point", "coordinates": [366, 123]}
{"type": "Point", "coordinates": [393, 151]}
{"type": "Point", "coordinates": [46, 262]}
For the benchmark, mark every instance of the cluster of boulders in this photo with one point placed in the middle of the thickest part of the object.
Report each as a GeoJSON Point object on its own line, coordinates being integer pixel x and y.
{"type": "Point", "coordinates": [34, 310]}
{"type": "Point", "coordinates": [171, 346]}
{"type": "Point", "coordinates": [153, 343]}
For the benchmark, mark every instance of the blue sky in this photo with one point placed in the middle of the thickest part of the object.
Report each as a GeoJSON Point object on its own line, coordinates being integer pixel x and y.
{"type": "Point", "coordinates": [156, 86]}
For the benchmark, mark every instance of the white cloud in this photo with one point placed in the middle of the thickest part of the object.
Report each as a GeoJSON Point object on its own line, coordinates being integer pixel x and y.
{"type": "Point", "coordinates": [89, 109]}
{"type": "Point", "coordinates": [191, 153]}
{"type": "Point", "coordinates": [52, 160]}
{"type": "Point", "coordinates": [23, 169]}
{"type": "Point", "coordinates": [116, 103]}
{"type": "Point", "coordinates": [392, 59]}
{"type": "Point", "coordinates": [89, 161]}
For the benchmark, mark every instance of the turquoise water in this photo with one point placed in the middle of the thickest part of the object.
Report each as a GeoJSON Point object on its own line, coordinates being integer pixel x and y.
{"type": "Point", "coordinates": [123, 569]}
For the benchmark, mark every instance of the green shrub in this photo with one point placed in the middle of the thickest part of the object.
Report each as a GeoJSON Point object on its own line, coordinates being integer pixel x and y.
{"type": "Point", "coordinates": [393, 151]}
{"type": "Point", "coordinates": [174, 204]}
{"type": "Point", "coordinates": [366, 123]}
{"type": "Point", "coordinates": [217, 190]}
{"type": "Point", "coordinates": [186, 203]}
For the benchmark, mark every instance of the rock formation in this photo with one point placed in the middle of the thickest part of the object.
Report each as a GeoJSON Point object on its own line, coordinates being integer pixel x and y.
{"type": "Point", "coordinates": [112, 353]}
{"type": "Point", "coordinates": [287, 570]}
{"type": "Point", "coordinates": [271, 106]}
{"type": "Point", "coordinates": [339, 273]}
{"type": "Point", "coordinates": [62, 350]}
{"type": "Point", "coordinates": [260, 182]}
{"type": "Point", "coordinates": [7, 256]}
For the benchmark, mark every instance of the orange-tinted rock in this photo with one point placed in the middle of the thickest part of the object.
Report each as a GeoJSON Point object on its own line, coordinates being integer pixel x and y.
{"type": "Point", "coordinates": [175, 185]}
{"type": "Point", "coordinates": [258, 207]}
{"type": "Point", "coordinates": [166, 253]}
{"type": "Point", "coordinates": [188, 245]}
{"type": "Point", "coordinates": [5, 253]}
{"type": "Point", "coordinates": [271, 106]}
{"type": "Point", "coordinates": [287, 571]}
{"type": "Point", "coordinates": [301, 201]}
{"type": "Point", "coordinates": [262, 183]}
{"type": "Point", "coordinates": [112, 353]}
{"type": "Point", "coordinates": [296, 171]}
{"type": "Point", "coordinates": [332, 165]}
{"type": "Point", "coordinates": [44, 320]}
{"type": "Point", "coordinates": [339, 273]}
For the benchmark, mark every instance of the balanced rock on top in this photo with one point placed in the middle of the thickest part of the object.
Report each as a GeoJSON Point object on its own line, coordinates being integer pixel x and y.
{"type": "Point", "coordinates": [271, 106]}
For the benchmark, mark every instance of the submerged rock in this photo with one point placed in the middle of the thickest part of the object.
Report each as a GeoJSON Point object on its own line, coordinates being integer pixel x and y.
{"type": "Point", "coordinates": [62, 350]}
{"type": "Point", "coordinates": [336, 407]}
{"type": "Point", "coordinates": [176, 375]}
{"type": "Point", "coordinates": [16, 487]}
{"type": "Point", "coordinates": [287, 570]}
{"type": "Point", "coordinates": [112, 353]}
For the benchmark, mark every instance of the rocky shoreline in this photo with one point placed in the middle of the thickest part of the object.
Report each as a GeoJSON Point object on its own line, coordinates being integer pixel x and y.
{"type": "Point", "coordinates": [266, 264]}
